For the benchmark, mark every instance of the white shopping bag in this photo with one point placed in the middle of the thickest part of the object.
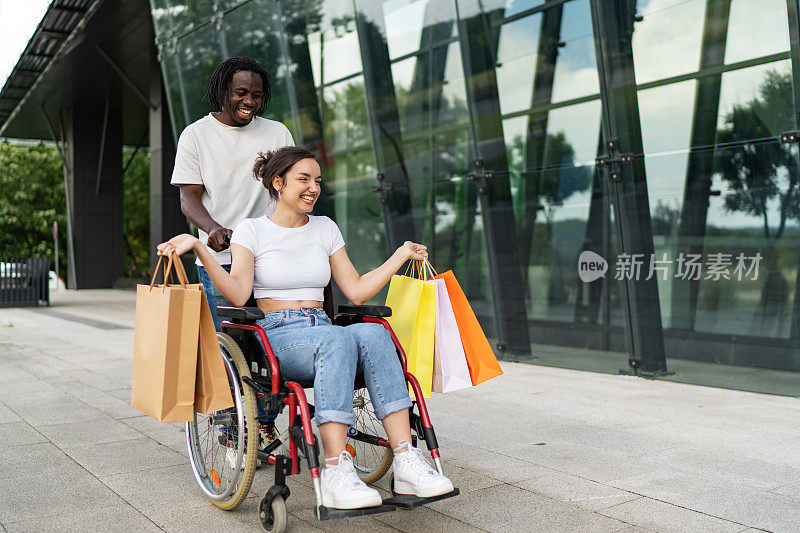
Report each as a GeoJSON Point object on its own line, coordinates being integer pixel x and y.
{"type": "Point", "coordinates": [450, 370]}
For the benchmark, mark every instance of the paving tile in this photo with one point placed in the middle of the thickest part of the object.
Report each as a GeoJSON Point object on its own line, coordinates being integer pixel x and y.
{"type": "Point", "coordinates": [714, 463]}
{"type": "Point", "coordinates": [44, 495]}
{"type": "Point", "coordinates": [168, 434]}
{"type": "Point", "coordinates": [576, 491]}
{"type": "Point", "coordinates": [27, 393]}
{"type": "Point", "coordinates": [508, 508]}
{"type": "Point", "coordinates": [102, 429]}
{"type": "Point", "coordinates": [159, 491]}
{"type": "Point", "coordinates": [18, 433]}
{"type": "Point", "coordinates": [41, 458]}
{"type": "Point", "coordinates": [117, 518]}
{"type": "Point", "coordinates": [501, 467]}
{"type": "Point", "coordinates": [721, 498]}
{"type": "Point", "coordinates": [7, 415]}
{"type": "Point", "coordinates": [67, 409]}
{"type": "Point", "coordinates": [588, 463]}
{"type": "Point", "coordinates": [98, 399]}
{"type": "Point", "coordinates": [123, 394]}
{"type": "Point", "coordinates": [792, 490]}
{"type": "Point", "coordinates": [424, 519]}
{"type": "Point", "coordinates": [126, 456]}
{"type": "Point", "coordinates": [667, 518]}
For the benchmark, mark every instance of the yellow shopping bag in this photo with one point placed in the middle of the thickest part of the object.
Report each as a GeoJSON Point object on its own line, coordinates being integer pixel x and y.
{"type": "Point", "coordinates": [413, 303]}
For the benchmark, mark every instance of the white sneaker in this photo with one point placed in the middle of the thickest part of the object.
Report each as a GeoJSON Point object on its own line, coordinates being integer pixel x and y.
{"type": "Point", "coordinates": [230, 456]}
{"type": "Point", "coordinates": [414, 475]}
{"type": "Point", "coordinates": [343, 489]}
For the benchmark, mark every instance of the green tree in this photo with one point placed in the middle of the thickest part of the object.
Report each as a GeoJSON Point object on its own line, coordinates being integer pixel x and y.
{"type": "Point", "coordinates": [136, 215]}
{"type": "Point", "coordinates": [32, 198]}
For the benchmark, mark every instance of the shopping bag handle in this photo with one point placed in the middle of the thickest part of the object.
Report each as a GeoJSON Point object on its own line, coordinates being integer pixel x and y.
{"type": "Point", "coordinates": [430, 266]}
{"type": "Point", "coordinates": [179, 272]}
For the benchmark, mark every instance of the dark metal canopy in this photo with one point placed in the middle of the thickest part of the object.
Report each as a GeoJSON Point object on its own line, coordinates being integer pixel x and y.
{"type": "Point", "coordinates": [79, 51]}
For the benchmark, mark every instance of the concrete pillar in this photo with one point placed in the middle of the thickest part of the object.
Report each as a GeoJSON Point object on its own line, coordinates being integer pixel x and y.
{"type": "Point", "coordinates": [94, 140]}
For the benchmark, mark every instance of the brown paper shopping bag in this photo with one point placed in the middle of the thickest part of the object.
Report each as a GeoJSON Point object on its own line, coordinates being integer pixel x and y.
{"type": "Point", "coordinates": [165, 343]}
{"type": "Point", "coordinates": [212, 392]}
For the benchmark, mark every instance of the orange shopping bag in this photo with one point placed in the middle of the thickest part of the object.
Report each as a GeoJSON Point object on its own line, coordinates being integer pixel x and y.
{"type": "Point", "coordinates": [481, 360]}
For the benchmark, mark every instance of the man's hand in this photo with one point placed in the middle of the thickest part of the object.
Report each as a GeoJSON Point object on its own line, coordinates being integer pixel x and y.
{"type": "Point", "coordinates": [216, 238]}
{"type": "Point", "coordinates": [192, 207]}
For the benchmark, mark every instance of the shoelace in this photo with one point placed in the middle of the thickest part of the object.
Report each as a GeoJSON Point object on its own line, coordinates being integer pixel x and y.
{"type": "Point", "coordinates": [416, 460]}
{"type": "Point", "coordinates": [345, 471]}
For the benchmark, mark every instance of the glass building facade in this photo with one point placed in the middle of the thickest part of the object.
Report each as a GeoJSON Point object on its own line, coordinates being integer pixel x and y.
{"type": "Point", "coordinates": [530, 142]}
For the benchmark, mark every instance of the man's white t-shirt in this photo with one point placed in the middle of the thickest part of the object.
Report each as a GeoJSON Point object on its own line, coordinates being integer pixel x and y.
{"type": "Point", "coordinates": [290, 263]}
{"type": "Point", "coordinates": [221, 159]}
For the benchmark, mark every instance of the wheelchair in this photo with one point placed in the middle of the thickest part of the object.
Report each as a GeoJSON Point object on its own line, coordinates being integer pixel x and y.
{"type": "Point", "coordinates": [225, 447]}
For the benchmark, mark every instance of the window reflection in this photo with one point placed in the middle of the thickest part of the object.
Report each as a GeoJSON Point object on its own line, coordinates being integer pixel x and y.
{"type": "Point", "coordinates": [516, 63]}
{"type": "Point", "coordinates": [576, 67]}
{"type": "Point", "coordinates": [667, 41]}
{"type": "Point", "coordinates": [741, 87]}
{"type": "Point", "coordinates": [199, 54]}
{"type": "Point", "coordinates": [344, 115]}
{"type": "Point", "coordinates": [253, 29]}
{"type": "Point", "coordinates": [756, 29]}
{"type": "Point", "coordinates": [334, 48]}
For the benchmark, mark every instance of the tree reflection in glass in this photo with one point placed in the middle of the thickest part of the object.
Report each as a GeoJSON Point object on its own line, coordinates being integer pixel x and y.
{"type": "Point", "coordinates": [762, 178]}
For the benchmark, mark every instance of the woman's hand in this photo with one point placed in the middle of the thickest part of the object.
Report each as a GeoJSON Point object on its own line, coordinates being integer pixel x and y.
{"type": "Point", "coordinates": [179, 244]}
{"type": "Point", "coordinates": [414, 251]}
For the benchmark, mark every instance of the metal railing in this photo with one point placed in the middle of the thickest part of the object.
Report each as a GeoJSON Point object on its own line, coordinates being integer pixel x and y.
{"type": "Point", "coordinates": [24, 282]}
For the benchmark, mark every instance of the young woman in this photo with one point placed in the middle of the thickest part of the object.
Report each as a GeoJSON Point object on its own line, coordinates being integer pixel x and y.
{"type": "Point", "coordinates": [286, 260]}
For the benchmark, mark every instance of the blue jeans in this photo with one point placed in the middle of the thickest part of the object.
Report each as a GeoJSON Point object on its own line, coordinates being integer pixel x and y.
{"type": "Point", "coordinates": [309, 348]}
{"type": "Point", "coordinates": [213, 295]}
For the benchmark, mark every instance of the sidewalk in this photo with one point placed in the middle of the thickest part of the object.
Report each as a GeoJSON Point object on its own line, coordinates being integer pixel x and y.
{"type": "Point", "coordinates": [538, 449]}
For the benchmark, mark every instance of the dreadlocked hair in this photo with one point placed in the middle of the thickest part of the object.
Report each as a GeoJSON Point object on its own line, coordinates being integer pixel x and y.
{"type": "Point", "coordinates": [220, 82]}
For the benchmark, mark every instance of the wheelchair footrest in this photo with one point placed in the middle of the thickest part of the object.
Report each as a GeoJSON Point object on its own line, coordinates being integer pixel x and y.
{"type": "Point", "coordinates": [327, 513]}
{"type": "Point", "coordinates": [407, 501]}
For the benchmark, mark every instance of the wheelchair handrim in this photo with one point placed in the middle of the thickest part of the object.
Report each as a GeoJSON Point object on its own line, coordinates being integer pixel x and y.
{"type": "Point", "coordinates": [193, 444]}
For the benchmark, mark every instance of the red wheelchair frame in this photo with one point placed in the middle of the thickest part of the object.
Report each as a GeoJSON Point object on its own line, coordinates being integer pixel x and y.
{"type": "Point", "coordinates": [276, 393]}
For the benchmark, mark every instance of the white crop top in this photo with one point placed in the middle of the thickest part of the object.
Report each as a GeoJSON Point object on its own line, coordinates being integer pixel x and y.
{"type": "Point", "coordinates": [290, 263]}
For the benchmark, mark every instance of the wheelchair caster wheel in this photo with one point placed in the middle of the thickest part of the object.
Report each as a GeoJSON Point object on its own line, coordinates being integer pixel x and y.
{"type": "Point", "coordinates": [273, 515]}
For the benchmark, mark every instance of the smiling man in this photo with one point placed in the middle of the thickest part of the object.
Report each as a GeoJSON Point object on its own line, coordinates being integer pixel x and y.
{"type": "Point", "coordinates": [215, 157]}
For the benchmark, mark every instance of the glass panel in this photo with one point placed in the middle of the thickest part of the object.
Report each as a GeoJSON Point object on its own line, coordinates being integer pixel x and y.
{"type": "Point", "coordinates": [666, 115]}
{"type": "Point", "coordinates": [453, 106]}
{"type": "Point", "coordinates": [188, 14]}
{"type": "Point", "coordinates": [199, 54]}
{"type": "Point", "coordinates": [756, 29]}
{"type": "Point", "coordinates": [516, 63]}
{"type": "Point", "coordinates": [159, 9]}
{"type": "Point", "coordinates": [517, 6]}
{"type": "Point", "coordinates": [576, 67]}
{"type": "Point", "coordinates": [404, 20]}
{"type": "Point", "coordinates": [254, 30]}
{"type": "Point", "coordinates": [667, 41]}
{"type": "Point", "coordinates": [348, 184]}
{"type": "Point", "coordinates": [334, 48]}
{"type": "Point", "coordinates": [751, 89]}
{"type": "Point", "coordinates": [172, 72]}
{"type": "Point", "coordinates": [344, 115]}
{"type": "Point", "coordinates": [749, 289]}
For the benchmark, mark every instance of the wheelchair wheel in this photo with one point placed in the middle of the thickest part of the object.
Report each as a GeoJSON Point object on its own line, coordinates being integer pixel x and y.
{"type": "Point", "coordinates": [273, 517]}
{"type": "Point", "coordinates": [371, 461]}
{"type": "Point", "coordinates": [218, 442]}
